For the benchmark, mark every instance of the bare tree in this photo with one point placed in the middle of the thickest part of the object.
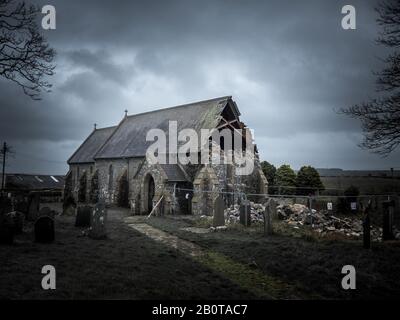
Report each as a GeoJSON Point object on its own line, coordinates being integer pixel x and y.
{"type": "Point", "coordinates": [25, 56]}
{"type": "Point", "coordinates": [380, 118]}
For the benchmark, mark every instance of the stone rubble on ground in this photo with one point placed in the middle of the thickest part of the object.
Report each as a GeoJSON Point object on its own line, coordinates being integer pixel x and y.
{"type": "Point", "coordinates": [232, 214]}
{"type": "Point", "coordinates": [299, 216]}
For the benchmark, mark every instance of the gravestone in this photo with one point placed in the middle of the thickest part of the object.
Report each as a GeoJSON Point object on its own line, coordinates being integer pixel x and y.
{"type": "Point", "coordinates": [245, 213]}
{"type": "Point", "coordinates": [366, 231]}
{"type": "Point", "coordinates": [16, 220]}
{"type": "Point", "coordinates": [69, 206]}
{"type": "Point", "coordinates": [98, 222]}
{"type": "Point", "coordinates": [69, 210]}
{"type": "Point", "coordinates": [388, 209]}
{"type": "Point", "coordinates": [22, 206]}
{"type": "Point", "coordinates": [269, 215]}
{"type": "Point", "coordinates": [219, 207]}
{"type": "Point", "coordinates": [44, 230]}
{"type": "Point", "coordinates": [33, 209]}
{"type": "Point", "coordinates": [6, 234]}
{"type": "Point", "coordinates": [6, 229]}
{"type": "Point", "coordinates": [5, 205]}
{"type": "Point", "coordinates": [83, 216]}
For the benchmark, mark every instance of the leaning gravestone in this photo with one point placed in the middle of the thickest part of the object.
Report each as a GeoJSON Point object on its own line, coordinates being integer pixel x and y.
{"type": "Point", "coordinates": [83, 216]}
{"type": "Point", "coordinates": [219, 206]}
{"type": "Point", "coordinates": [388, 208]}
{"type": "Point", "coordinates": [44, 230]}
{"type": "Point", "coordinates": [98, 222]}
{"type": "Point", "coordinates": [245, 216]}
{"type": "Point", "coordinates": [33, 209]}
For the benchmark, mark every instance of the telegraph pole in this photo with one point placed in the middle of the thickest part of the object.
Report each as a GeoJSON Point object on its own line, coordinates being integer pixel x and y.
{"type": "Point", "coordinates": [3, 151]}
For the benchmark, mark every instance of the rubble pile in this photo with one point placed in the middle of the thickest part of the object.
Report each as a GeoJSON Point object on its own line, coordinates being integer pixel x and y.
{"type": "Point", "coordinates": [232, 214]}
{"type": "Point", "coordinates": [324, 222]}
{"type": "Point", "coordinates": [298, 216]}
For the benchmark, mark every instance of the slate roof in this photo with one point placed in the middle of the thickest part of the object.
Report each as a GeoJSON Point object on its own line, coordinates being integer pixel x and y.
{"type": "Point", "coordinates": [91, 145]}
{"type": "Point", "coordinates": [129, 138]}
{"type": "Point", "coordinates": [173, 172]}
{"type": "Point", "coordinates": [34, 182]}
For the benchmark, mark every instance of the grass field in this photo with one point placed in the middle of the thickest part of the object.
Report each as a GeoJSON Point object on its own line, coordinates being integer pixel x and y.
{"type": "Point", "coordinates": [313, 266]}
{"type": "Point", "coordinates": [366, 185]}
{"type": "Point", "coordinates": [129, 265]}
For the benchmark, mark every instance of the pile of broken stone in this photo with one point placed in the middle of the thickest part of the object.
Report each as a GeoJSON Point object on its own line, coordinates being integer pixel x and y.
{"type": "Point", "coordinates": [299, 216]}
{"type": "Point", "coordinates": [232, 213]}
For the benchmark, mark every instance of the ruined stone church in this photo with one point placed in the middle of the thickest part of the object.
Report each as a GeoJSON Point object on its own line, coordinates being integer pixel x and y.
{"type": "Point", "coordinates": [111, 164]}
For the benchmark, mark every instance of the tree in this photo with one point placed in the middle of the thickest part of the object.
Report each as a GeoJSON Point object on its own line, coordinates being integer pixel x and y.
{"type": "Point", "coordinates": [270, 173]}
{"type": "Point", "coordinates": [350, 195]}
{"type": "Point", "coordinates": [380, 118]}
{"type": "Point", "coordinates": [308, 181]}
{"type": "Point", "coordinates": [25, 56]}
{"type": "Point", "coordinates": [286, 179]}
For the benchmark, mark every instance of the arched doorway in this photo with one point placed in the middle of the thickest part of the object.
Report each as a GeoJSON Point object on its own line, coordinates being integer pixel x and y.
{"type": "Point", "coordinates": [148, 193]}
{"type": "Point", "coordinates": [123, 190]}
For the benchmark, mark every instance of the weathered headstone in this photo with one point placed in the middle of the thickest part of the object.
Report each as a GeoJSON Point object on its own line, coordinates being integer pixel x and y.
{"type": "Point", "coordinates": [16, 220]}
{"type": "Point", "coordinates": [388, 209]}
{"type": "Point", "coordinates": [33, 210]}
{"type": "Point", "coordinates": [366, 223]}
{"type": "Point", "coordinates": [5, 205]}
{"type": "Point", "coordinates": [6, 229]}
{"type": "Point", "coordinates": [98, 222]}
{"type": "Point", "coordinates": [44, 230]}
{"type": "Point", "coordinates": [219, 207]}
{"type": "Point", "coordinates": [69, 206]}
{"type": "Point", "coordinates": [6, 234]}
{"type": "Point", "coordinates": [245, 213]}
{"type": "Point", "coordinates": [83, 216]}
{"type": "Point", "coordinates": [22, 206]}
{"type": "Point", "coordinates": [269, 212]}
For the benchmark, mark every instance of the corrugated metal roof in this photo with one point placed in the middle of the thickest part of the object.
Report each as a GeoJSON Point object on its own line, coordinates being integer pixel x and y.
{"type": "Point", "coordinates": [129, 139]}
{"type": "Point", "coordinates": [34, 182]}
{"type": "Point", "coordinates": [91, 145]}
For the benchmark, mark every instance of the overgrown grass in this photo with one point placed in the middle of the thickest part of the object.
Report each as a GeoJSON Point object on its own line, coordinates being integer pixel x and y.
{"type": "Point", "coordinates": [127, 265]}
{"type": "Point", "coordinates": [313, 264]}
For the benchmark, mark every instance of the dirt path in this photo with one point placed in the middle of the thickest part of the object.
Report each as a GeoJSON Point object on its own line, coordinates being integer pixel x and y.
{"type": "Point", "coordinates": [254, 280]}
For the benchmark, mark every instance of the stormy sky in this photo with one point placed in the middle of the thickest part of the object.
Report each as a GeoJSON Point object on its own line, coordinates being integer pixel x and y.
{"type": "Point", "coordinates": [288, 64]}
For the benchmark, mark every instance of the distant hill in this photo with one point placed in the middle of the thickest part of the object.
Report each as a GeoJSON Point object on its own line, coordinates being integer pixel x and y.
{"type": "Point", "coordinates": [336, 172]}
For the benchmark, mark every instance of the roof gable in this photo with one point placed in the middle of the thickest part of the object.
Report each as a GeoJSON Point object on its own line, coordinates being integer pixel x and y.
{"type": "Point", "coordinates": [85, 153]}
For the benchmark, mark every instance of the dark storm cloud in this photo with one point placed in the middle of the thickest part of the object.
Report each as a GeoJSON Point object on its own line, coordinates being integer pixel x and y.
{"type": "Point", "coordinates": [288, 64]}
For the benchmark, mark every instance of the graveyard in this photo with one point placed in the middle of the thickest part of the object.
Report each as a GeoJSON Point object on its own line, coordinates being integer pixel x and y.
{"type": "Point", "coordinates": [105, 252]}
